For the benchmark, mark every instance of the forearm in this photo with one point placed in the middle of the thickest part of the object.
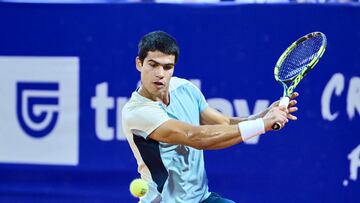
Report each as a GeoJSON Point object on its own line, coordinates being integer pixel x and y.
{"type": "Point", "coordinates": [222, 136]}
{"type": "Point", "coordinates": [214, 136]}
{"type": "Point", "coordinates": [259, 115]}
{"type": "Point", "coordinates": [236, 120]}
{"type": "Point", "coordinates": [207, 136]}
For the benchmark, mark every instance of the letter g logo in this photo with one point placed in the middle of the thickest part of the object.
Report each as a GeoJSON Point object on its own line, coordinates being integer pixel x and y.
{"type": "Point", "coordinates": [37, 107]}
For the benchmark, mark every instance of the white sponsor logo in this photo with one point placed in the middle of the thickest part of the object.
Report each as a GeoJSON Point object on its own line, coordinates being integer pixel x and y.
{"type": "Point", "coordinates": [335, 87]}
{"type": "Point", "coordinates": [354, 158]}
{"type": "Point", "coordinates": [102, 103]}
{"type": "Point", "coordinates": [39, 110]}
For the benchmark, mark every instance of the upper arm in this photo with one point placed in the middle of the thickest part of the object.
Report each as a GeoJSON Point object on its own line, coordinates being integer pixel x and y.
{"type": "Point", "coordinates": [143, 120]}
{"type": "Point", "coordinates": [211, 116]}
{"type": "Point", "coordinates": [151, 121]}
{"type": "Point", "coordinates": [174, 132]}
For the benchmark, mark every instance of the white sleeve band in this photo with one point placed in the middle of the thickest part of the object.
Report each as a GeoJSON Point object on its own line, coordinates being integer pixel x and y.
{"type": "Point", "coordinates": [252, 128]}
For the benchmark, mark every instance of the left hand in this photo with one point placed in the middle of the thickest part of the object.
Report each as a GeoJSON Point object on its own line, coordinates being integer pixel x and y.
{"type": "Point", "coordinates": [291, 107]}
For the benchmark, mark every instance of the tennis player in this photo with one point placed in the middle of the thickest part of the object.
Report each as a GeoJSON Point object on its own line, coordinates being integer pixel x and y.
{"type": "Point", "coordinates": [168, 124]}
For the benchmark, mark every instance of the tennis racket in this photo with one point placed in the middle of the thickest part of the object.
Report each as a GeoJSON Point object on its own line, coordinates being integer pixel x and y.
{"type": "Point", "coordinates": [296, 61]}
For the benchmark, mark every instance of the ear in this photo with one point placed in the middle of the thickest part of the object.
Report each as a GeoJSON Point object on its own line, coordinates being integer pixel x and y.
{"type": "Point", "coordinates": [138, 64]}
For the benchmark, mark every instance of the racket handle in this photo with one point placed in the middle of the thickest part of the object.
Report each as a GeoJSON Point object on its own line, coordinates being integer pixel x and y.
{"type": "Point", "coordinates": [284, 101]}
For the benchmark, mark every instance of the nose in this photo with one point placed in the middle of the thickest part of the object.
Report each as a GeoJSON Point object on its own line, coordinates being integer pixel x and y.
{"type": "Point", "coordinates": [160, 72]}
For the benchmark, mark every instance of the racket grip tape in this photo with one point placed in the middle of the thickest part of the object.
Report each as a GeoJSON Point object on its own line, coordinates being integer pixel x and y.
{"type": "Point", "coordinates": [284, 101]}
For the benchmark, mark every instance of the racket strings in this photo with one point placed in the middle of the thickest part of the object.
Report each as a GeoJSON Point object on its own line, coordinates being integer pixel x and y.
{"type": "Point", "coordinates": [299, 58]}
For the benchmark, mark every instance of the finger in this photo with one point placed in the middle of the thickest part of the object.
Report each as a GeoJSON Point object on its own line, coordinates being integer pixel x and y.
{"type": "Point", "coordinates": [282, 118]}
{"type": "Point", "coordinates": [292, 103]}
{"type": "Point", "coordinates": [294, 95]}
{"type": "Point", "coordinates": [275, 103]}
{"type": "Point", "coordinates": [292, 109]}
{"type": "Point", "coordinates": [285, 119]}
{"type": "Point", "coordinates": [282, 124]}
{"type": "Point", "coordinates": [284, 109]}
{"type": "Point", "coordinates": [291, 117]}
{"type": "Point", "coordinates": [279, 113]}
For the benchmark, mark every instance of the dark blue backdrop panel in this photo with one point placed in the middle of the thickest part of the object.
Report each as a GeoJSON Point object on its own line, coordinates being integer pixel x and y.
{"type": "Point", "coordinates": [231, 49]}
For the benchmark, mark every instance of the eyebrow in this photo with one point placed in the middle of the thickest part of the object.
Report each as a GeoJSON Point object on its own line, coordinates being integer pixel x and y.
{"type": "Point", "coordinates": [152, 60]}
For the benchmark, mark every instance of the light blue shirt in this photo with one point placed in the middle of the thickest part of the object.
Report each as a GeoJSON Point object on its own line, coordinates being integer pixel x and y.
{"type": "Point", "coordinates": [175, 173]}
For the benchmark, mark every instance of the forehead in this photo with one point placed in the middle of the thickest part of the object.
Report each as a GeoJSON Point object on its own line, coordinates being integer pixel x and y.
{"type": "Point", "coordinates": [160, 57]}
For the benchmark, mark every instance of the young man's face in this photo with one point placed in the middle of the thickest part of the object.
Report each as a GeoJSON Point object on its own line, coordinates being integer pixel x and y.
{"type": "Point", "coordinates": [156, 72]}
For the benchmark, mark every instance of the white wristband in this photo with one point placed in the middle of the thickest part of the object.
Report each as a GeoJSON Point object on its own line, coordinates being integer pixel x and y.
{"type": "Point", "coordinates": [252, 128]}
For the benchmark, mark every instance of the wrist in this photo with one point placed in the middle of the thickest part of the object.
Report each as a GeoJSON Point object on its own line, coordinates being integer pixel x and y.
{"type": "Point", "coordinates": [251, 128]}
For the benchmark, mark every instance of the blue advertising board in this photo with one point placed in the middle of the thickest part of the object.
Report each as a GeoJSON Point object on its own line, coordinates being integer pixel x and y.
{"type": "Point", "coordinates": [66, 71]}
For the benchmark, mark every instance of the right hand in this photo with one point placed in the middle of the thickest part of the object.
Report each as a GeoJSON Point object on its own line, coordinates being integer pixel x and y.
{"type": "Point", "coordinates": [275, 114]}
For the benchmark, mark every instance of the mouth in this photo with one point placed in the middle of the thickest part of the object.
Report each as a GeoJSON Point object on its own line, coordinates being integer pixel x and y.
{"type": "Point", "coordinates": [159, 84]}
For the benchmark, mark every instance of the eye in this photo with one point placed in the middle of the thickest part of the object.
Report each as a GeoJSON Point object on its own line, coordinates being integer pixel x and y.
{"type": "Point", "coordinates": [168, 67]}
{"type": "Point", "coordinates": [152, 64]}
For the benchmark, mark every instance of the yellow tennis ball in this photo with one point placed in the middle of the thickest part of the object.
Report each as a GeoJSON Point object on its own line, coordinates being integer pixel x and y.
{"type": "Point", "coordinates": [138, 187]}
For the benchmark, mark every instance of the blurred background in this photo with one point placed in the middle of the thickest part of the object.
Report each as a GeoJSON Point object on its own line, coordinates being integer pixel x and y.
{"type": "Point", "coordinates": [67, 69]}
